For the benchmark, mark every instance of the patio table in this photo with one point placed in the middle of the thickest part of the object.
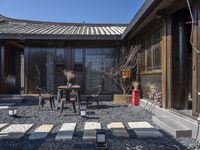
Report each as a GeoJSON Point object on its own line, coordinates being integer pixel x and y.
{"type": "Point", "coordinates": [68, 89]}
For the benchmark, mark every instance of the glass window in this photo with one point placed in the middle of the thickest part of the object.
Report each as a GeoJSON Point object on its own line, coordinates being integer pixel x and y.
{"type": "Point", "coordinates": [156, 50]}
{"type": "Point", "coordinates": [149, 54]}
{"type": "Point", "coordinates": [152, 56]}
{"type": "Point", "coordinates": [142, 57]}
{"type": "Point", "coordinates": [96, 60]}
{"type": "Point", "coordinates": [78, 55]}
{"type": "Point", "coordinates": [41, 68]}
{"type": "Point", "coordinates": [60, 56]}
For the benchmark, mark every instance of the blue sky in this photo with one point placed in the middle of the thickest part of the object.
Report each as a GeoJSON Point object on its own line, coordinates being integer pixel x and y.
{"type": "Point", "coordinates": [89, 11]}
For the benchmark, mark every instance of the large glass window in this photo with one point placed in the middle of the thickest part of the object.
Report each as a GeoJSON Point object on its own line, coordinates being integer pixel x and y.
{"type": "Point", "coordinates": [98, 59]}
{"type": "Point", "coordinates": [41, 68]}
{"type": "Point", "coordinates": [156, 48]}
{"type": "Point", "coordinates": [150, 54]}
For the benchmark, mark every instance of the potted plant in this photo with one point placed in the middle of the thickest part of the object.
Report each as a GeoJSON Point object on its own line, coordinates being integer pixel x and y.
{"type": "Point", "coordinates": [69, 76]}
{"type": "Point", "coordinates": [121, 73]}
{"type": "Point", "coordinates": [135, 94]}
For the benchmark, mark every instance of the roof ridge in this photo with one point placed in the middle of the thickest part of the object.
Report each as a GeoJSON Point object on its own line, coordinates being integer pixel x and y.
{"type": "Point", "coordinates": [61, 23]}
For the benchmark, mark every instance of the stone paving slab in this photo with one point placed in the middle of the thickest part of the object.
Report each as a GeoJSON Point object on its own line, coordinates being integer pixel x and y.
{"type": "Point", "coordinates": [4, 107]}
{"type": "Point", "coordinates": [2, 125]}
{"type": "Point", "coordinates": [66, 131]}
{"type": "Point", "coordinates": [15, 131]}
{"type": "Point", "coordinates": [41, 132]}
{"type": "Point", "coordinates": [144, 130]}
{"type": "Point", "coordinates": [90, 130]}
{"type": "Point", "coordinates": [118, 129]}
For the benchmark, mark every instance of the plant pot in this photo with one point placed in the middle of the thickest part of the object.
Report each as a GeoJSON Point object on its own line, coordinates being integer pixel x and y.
{"type": "Point", "coordinates": [135, 97]}
{"type": "Point", "coordinates": [122, 99]}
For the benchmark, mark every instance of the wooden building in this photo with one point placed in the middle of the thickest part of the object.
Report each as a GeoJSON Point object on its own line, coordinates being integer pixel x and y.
{"type": "Point", "coordinates": [167, 57]}
{"type": "Point", "coordinates": [34, 52]}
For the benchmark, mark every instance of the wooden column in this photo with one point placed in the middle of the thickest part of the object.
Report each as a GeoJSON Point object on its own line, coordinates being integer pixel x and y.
{"type": "Point", "coordinates": [26, 62]}
{"type": "Point", "coordinates": [196, 61]}
{"type": "Point", "coordinates": [169, 60]}
{"type": "Point", "coordinates": [164, 62]}
{"type": "Point", "coordinates": [2, 55]}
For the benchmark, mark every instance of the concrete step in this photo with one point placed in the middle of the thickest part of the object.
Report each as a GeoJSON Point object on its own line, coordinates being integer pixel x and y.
{"type": "Point", "coordinates": [11, 100]}
{"type": "Point", "coordinates": [170, 126]}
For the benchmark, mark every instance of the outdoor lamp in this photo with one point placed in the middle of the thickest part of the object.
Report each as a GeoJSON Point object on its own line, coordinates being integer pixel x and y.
{"type": "Point", "coordinates": [12, 112]}
{"type": "Point", "coordinates": [101, 139]}
{"type": "Point", "coordinates": [83, 112]}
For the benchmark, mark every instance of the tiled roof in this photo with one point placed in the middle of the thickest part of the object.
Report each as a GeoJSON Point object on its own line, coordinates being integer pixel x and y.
{"type": "Point", "coordinates": [15, 27]}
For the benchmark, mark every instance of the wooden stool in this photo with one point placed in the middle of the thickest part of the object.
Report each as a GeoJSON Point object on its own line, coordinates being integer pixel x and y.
{"type": "Point", "coordinates": [72, 100]}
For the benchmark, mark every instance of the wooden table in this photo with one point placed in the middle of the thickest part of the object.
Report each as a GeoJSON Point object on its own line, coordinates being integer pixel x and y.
{"type": "Point", "coordinates": [68, 89]}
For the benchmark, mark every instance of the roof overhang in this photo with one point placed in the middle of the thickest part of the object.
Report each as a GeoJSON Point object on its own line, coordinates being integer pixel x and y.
{"type": "Point", "coordinates": [143, 12]}
{"type": "Point", "coordinates": [5, 36]}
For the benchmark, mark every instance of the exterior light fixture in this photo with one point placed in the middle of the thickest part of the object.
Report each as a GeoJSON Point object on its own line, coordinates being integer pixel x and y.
{"type": "Point", "coordinates": [12, 112]}
{"type": "Point", "coordinates": [126, 74]}
{"type": "Point", "coordinates": [101, 141]}
{"type": "Point", "coordinates": [83, 112]}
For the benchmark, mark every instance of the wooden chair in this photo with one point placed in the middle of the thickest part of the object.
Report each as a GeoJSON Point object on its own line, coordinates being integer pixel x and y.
{"type": "Point", "coordinates": [45, 96]}
{"type": "Point", "coordinates": [93, 96]}
{"type": "Point", "coordinates": [69, 97]}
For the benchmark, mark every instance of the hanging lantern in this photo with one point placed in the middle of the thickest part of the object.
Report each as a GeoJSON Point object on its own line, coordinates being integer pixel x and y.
{"type": "Point", "coordinates": [126, 74]}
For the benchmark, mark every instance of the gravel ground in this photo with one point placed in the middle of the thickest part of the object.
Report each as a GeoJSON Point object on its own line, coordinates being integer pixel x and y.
{"type": "Point", "coordinates": [107, 113]}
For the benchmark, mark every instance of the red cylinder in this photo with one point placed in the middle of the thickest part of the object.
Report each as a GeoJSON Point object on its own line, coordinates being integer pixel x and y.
{"type": "Point", "coordinates": [135, 98]}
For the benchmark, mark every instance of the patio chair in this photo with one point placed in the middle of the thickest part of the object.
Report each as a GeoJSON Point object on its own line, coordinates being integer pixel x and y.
{"type": "Point", "coordinates": [71, 98]}
{"type": "Point", "coordinates": [93, 97]}
{"type": "Point", "coordinates": [45, 96]}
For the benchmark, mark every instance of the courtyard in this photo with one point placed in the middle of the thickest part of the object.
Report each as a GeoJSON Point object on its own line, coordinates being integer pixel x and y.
{"type": "Point", "coordinates": [108, 112]}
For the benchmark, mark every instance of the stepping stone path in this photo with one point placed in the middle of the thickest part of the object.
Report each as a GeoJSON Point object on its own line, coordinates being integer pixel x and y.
{"type": "Point", "coordinates": [2, 125]}
{"type": "Point", "coordinates": [41, 132]}
{"type": "Point", "coordinates": [144, 130]}
{"type": "Point", "coordinates": [15, 131]}
{"type": "Point", "coordinates": [90, 130]}
{"type": "Point", "coordinates": [118, 129]}
{"type": "Point", "coordinates": [66, 131]}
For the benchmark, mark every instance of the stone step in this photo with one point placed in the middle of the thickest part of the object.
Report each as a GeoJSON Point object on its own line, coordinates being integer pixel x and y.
{"type": "Point", "coordinates": [15, 131]}
{"type": "Point", "coordinates": [41, 132]}
{"type": "Point", "coordinates": [170, 126]}
{"type": "Point", "coordinates": [90, 129]}
{"type": "Point", "coordinates": [66, 131]}
{"type": "Point", "coordinates": [11, 100]}
{"type": "Point", "coordinates": [144, 130]}
{"type": "Point", "coordinates": [118, 129]}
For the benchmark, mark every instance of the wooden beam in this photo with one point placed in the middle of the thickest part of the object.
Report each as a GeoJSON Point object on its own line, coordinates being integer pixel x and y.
{"type": "Point", "coordinates": [16, 44]}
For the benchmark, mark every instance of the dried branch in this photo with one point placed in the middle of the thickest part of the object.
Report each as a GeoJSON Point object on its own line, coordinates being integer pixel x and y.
{"type": "Point", "coordinates": [126, 62]}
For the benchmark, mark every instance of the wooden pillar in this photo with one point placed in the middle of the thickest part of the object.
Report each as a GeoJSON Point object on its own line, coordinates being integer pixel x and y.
{"type": "Point", "coordinates": [164, 61]}
{"type": "Point", "coordinates": [26, 62]}
{"type": "Point", "coordinates": [169, 60]}
{"type": "Point", "coordinates": [182, 54]}
{"type": "Point", "coordinates": [196, 60]}
{"type": "Point", "coordinates": [2, 55]}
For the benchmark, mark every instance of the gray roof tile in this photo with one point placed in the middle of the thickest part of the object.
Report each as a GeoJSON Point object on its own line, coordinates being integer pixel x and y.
{"type": "Point", "coordinates": [25, 27]}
